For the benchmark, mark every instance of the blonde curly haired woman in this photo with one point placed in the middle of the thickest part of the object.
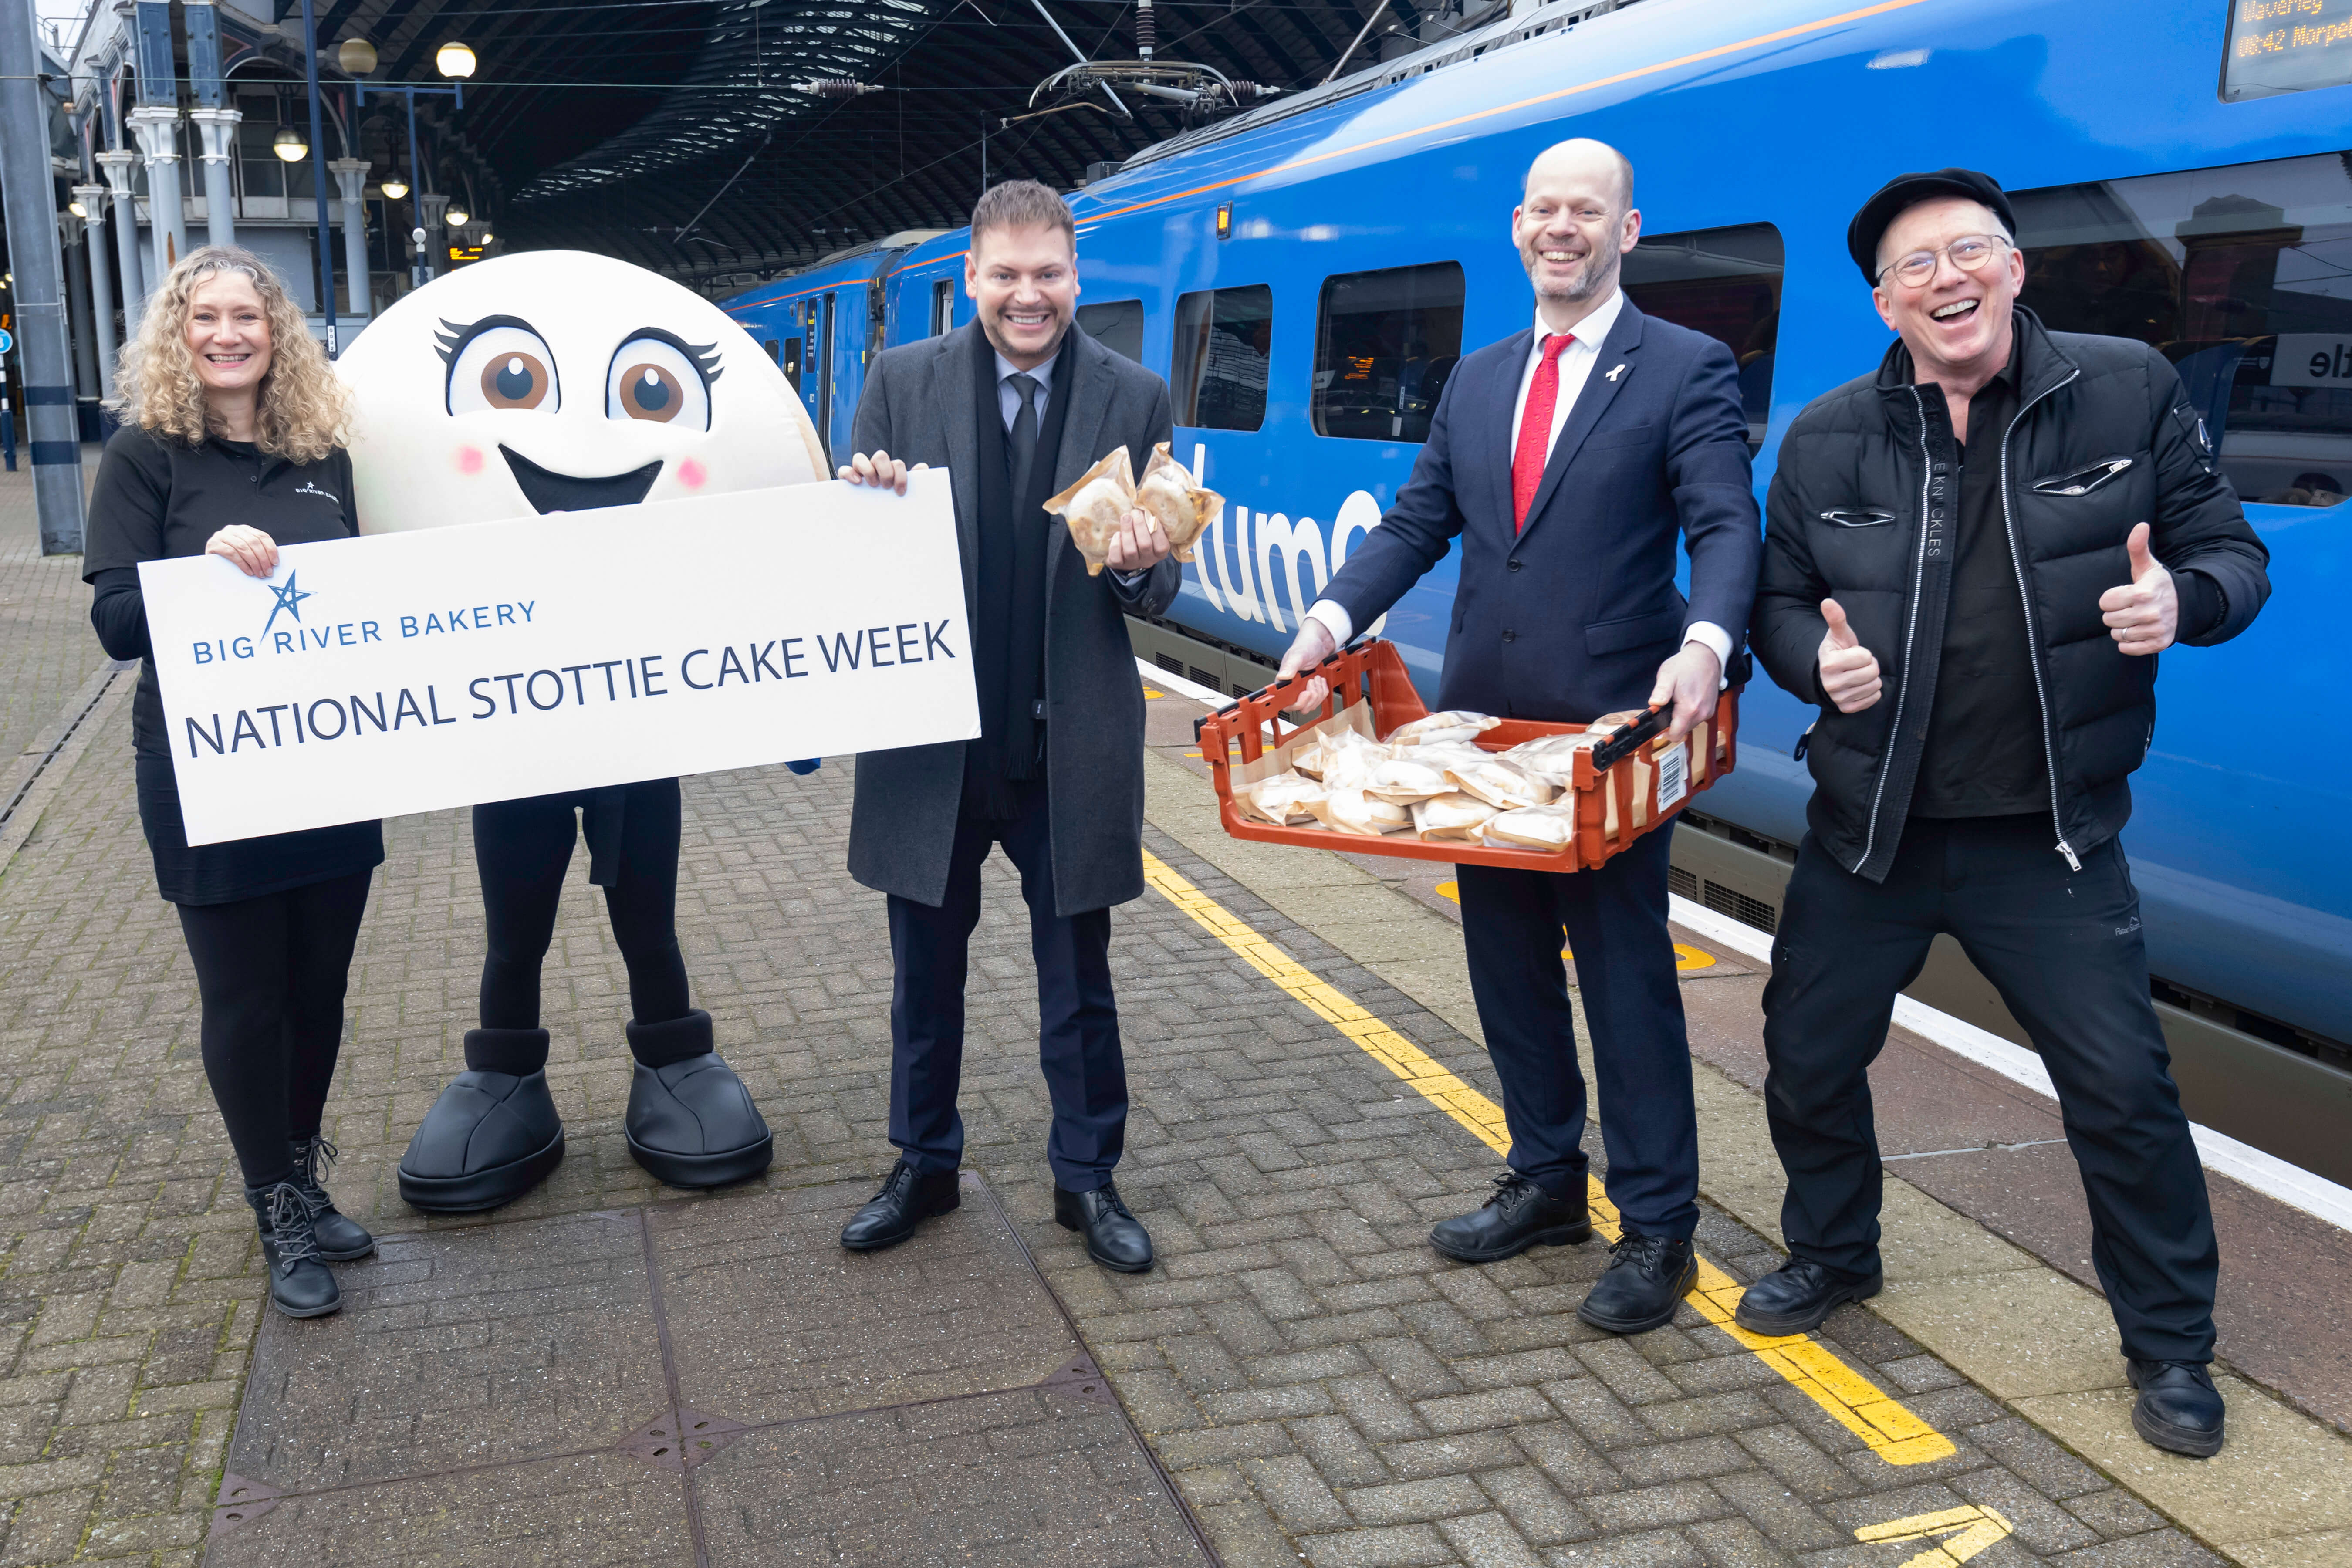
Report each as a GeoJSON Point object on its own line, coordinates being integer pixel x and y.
{"type": "Point", "coordinates": [231, 445]}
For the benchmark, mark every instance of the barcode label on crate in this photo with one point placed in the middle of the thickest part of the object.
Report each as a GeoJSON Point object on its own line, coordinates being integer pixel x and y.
{"type": "Point", "coordinates": [1674, 776]}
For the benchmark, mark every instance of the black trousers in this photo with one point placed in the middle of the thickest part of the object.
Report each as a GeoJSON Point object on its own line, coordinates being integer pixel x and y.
{"type": "Point", "coordinates": [1078, 1035]}
{"type": "Point", "coordinates": [522, 848]}
{"type": "Point", "coordinates": [272, 973]}
{"type": "Point", "coordinates": [1614, 920]}
{"type": "Point", "coordinates": [2063, 949]}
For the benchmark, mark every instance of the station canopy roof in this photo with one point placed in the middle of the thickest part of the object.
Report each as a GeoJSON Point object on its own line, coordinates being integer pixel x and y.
{"type": "Point", "coordinates": [721, 142]}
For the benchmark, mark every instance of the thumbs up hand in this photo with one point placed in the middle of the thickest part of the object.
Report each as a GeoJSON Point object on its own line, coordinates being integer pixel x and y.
{"type": "Point", "coordinates": [2144, 613]}
{"type": "Point", "coordinates": [1848, 670]}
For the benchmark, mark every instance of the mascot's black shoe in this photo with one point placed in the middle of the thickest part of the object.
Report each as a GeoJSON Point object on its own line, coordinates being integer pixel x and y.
{"type": "Point", "coordinates": [691, 1123]}
{"type": "Point", "coordinates": [489, 1139]}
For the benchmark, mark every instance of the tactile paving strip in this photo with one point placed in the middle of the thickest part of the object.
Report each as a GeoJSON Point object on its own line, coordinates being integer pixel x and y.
{"type": "Point", "coordinates": [710, 1382]}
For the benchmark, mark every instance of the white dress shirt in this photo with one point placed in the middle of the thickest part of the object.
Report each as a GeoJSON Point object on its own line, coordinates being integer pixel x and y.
{"type": "Point", "coordinates": [1576, 364]}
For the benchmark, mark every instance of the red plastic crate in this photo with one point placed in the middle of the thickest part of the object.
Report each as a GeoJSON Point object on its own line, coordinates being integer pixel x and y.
{"type": "Point", "coordinates": [1251, 739]}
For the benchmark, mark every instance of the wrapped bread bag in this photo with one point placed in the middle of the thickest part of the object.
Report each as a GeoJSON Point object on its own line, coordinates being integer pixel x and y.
{"type": "Point", "coordinates": [1434, 728]}
{"type": "Point", "coordinates": [1352, 811]}
{"type": "Point", "coordinates": [1502, 784]}
{"type": "Point", "coordinates": [1183, 509]}
{"type": "Point", "coordinates": [1406, 779]}
{"type": "Point", "coordinates": [1093, 506]}
{"type": "Point", "coordinates": [1532, 828]}
{"type": "Point", "coordinates": [1455, 816]}
{"type": "Point", "coordinates": [1285, 800]}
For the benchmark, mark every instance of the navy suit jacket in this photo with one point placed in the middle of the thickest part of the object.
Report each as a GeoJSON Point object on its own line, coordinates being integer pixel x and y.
{"type": "Point", "coordinates": [1570, 618]}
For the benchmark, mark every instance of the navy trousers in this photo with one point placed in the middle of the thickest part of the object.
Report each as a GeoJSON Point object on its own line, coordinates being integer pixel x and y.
{"type": "Point", "coordinates": [1614, 920]}
{"type": "Point", "coordinates": [2063, 949]}
{"type": "Point", "coordinates": [1077, 1037]}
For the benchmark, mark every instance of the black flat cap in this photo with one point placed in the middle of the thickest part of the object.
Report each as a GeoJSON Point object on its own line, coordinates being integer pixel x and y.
{"type": "Point", "coordinates": [1870, 225]}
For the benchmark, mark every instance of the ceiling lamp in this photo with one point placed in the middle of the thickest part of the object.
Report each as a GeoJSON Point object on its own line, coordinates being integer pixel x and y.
{"type": "Point", "coordinates": [75, 209]}
{"type": "Point", "coordinates": [454, 58]}
{"type": "Point", "coordinates": [457, 217]}
{"type": "Point", "coordinates": [486, 237]}
{"type": "Point", "coordinates": [356, 56]}
{"type": "Point", "coordinates": [395, 188]}
{"type": "Point", "coordinates": [288, 144]}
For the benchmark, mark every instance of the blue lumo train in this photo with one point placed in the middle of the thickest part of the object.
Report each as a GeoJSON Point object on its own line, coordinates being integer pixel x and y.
{"type": "Point", "coordinates": [1307, 275]}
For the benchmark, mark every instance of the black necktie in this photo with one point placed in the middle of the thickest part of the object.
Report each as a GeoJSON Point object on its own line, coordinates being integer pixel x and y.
{"type": "Point", "coordinates": [1024, 433]}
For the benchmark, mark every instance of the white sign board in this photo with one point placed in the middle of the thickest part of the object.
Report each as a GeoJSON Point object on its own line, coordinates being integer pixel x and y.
{"type": "Point", "coordinates": [406, 672]}
{"type": "Point", "coordinates": [2311, 359]}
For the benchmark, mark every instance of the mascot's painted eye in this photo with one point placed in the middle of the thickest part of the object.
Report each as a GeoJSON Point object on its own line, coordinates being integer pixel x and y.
{"type": "Point", "coordinates": [656, 377]}
{"type": "Point", "coordinates": [503, 365]}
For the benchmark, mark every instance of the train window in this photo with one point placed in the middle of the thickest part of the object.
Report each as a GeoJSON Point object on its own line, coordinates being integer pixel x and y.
{"type": "Point", "coordinates": [1224, 341]}
{"type": "Point", "coordinates": [792, 361]}
{"type": "Point", "coordinates": [943, 306]}
{"type": "Point", "coordinates": [2243, 277]}
{"type": "Point", "coordinates": [1116, 325]}
{"type": "Point", "coordinates": [1724, 283]}
{"type": "Point", "coordinates": [1384, 344]}
{"type": "Point", "coordinates": [775, 350]}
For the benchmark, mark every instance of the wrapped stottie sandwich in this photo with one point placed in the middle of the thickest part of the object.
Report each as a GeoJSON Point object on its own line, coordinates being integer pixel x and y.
{"type": "Point", "coordinates": [1435, 728]}
{"type": "Point", "coordinates": [1093, 506]}
{"type": "Point", "coordinates": [1455, 816]}
{"type": "Point", "coordinates": [1285, 800]}
{"type": "Point", "coordinates": [1532, 828]}
{"type": "Point", "coordinates": [1182, 508]}
{"type": "Point", "coordinates": [1501, 785]}
{"type": "Point", "coordinates": [1353, 811]}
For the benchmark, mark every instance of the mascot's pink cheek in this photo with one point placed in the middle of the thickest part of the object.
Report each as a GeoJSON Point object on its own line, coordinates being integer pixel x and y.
{"type": "Point", "coordinates": [692, 474]}
{"type": "Point", "coordinates": [469, 459]}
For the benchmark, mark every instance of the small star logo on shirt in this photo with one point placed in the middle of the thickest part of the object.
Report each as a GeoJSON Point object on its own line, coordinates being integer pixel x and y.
{"type": "Point", "coordinates": [290, 600]}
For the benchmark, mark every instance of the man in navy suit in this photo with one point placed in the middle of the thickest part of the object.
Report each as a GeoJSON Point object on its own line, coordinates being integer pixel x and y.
{"type": "Point", "coordinates": [1567, 458]}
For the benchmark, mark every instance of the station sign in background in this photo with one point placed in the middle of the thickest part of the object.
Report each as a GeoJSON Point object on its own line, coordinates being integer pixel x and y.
{"type": "Point", "coordinates": [2286, 45]}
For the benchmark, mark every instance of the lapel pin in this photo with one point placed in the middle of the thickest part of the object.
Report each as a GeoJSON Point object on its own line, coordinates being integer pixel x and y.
{"type": "Point", "coordinates": [1615, 374]}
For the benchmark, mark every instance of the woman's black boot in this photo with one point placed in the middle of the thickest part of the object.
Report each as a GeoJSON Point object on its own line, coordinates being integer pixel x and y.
{"type": "Point", "coordinates": [341, 1237]}
{"type": "Point", "coordinates": [300, 1285]}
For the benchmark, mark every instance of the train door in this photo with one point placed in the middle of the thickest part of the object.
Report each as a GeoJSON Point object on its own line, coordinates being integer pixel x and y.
{"type": "Point", "coordinates": [824, 375]}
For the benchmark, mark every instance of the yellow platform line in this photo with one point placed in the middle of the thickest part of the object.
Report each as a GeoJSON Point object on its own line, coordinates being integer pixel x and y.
{"type": "Point", "coordinates": [1893, 1432]}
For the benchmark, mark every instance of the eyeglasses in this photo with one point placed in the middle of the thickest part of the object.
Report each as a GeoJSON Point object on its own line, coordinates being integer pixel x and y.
{"type": "Point", "coordinates": [1968, 253]}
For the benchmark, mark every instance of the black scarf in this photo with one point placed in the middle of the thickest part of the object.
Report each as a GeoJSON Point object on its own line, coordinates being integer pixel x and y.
{"type": "Point", "coordinates": [1009, 642]}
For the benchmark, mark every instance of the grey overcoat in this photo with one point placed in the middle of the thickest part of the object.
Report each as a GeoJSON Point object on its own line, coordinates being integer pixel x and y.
{"type": "Point", "coordinates": [919, 405]}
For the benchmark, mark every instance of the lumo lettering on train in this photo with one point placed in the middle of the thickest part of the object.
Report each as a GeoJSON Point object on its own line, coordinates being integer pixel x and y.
{"type": "Point", "coordinates": [1247, 556]}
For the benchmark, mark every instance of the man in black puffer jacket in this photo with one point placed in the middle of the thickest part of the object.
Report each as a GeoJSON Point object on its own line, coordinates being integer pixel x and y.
{"type": "Point", "coordinates": [1971, 560]}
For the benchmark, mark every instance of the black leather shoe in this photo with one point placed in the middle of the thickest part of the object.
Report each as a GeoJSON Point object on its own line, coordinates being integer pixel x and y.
{"type": "Point", "coordinates": [908, 1198]}
{"type": "Point", "coordinates": [341, 1238]}
{"type": "Point", "coordinates": [691, 1123]}
{"type": "Point", "coordinates": [1518, 1215]}
{"type": "Point", "coordinates": [489, 1140]}
{"type": "Point", "coordinates": [2178, 1407]}
{"type": "Point", "coordinates": [300, 1286]}
{"type": "Point", "coordinates": [1115, 1239]}
{"type": "Point", "coordinates": [1647, 1276]}
{"type": "Point", "coordinates": [1794, 1298]}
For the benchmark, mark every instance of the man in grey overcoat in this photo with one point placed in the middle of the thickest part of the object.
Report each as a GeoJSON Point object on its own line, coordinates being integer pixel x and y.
{"type": "Point", "coordinates": [1016, 406]}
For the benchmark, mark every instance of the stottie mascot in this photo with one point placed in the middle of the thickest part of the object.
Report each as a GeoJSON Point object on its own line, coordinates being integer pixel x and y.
{"type": "Point", "coordinates": [556, 381]}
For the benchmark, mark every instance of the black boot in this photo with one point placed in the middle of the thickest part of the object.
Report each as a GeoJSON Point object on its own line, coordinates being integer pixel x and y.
{"type": "Point", "coordinates": [300, 1286]}
{"type": "Point", "coordinates": [1647, 1276]}
{"type": "Point", "coordinates": [908, 1198]}
{"type": "Point", "coordinates": [1518, 1215]}
{"type": "Point", "coordinates": [492, 1136]}
{"type": "Point", "coordinates": [1794, 1298]}
{"type": "Point", "coordinates": [2178, 1409]}
{"type": "Point", "coordinates": [1115, 1239]}
{"type": "Point", "coordinates": [690, 1121]}
{"type": "Point", "coordinates": [341, 1237]}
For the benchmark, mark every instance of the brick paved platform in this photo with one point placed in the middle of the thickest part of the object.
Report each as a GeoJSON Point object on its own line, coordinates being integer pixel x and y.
{"type": "Point", "coordinates": [1318, 1386]}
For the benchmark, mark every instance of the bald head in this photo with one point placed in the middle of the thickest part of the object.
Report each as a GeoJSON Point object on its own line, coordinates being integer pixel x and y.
{"type": "Point", "coordinates": [1583, 162]}
{"type": "Point", "coordinates": [1574, 226]}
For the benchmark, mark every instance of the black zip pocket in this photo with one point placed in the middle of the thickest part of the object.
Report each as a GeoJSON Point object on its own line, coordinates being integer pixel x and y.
{"type": "Point", "coordinates": [1858, 517]}
{"type": "Point", "coordinates": [2082, 481]}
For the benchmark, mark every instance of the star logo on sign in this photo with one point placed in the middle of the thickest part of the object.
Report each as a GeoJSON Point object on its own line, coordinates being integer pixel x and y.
{"type": "Point", "coordinates": [290, 599]}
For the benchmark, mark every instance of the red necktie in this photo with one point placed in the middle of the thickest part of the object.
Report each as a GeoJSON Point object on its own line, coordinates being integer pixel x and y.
{"type": "Point", "coordinates": [1535, 430]}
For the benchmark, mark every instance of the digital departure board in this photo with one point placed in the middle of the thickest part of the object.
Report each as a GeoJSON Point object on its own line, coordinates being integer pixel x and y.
{"type": "Point", "coordinates": [2286, 45]}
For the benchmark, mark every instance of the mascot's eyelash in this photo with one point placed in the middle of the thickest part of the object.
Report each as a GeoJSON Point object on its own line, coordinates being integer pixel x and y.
{"type": "Point", "coordinates": [455, 335]}
{"type": "Point", "coordinates": [704, 355]}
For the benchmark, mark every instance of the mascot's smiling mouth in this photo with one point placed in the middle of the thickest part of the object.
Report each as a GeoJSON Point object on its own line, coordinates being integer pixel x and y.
{"type": "Point", "coordinates": [548, 491]}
